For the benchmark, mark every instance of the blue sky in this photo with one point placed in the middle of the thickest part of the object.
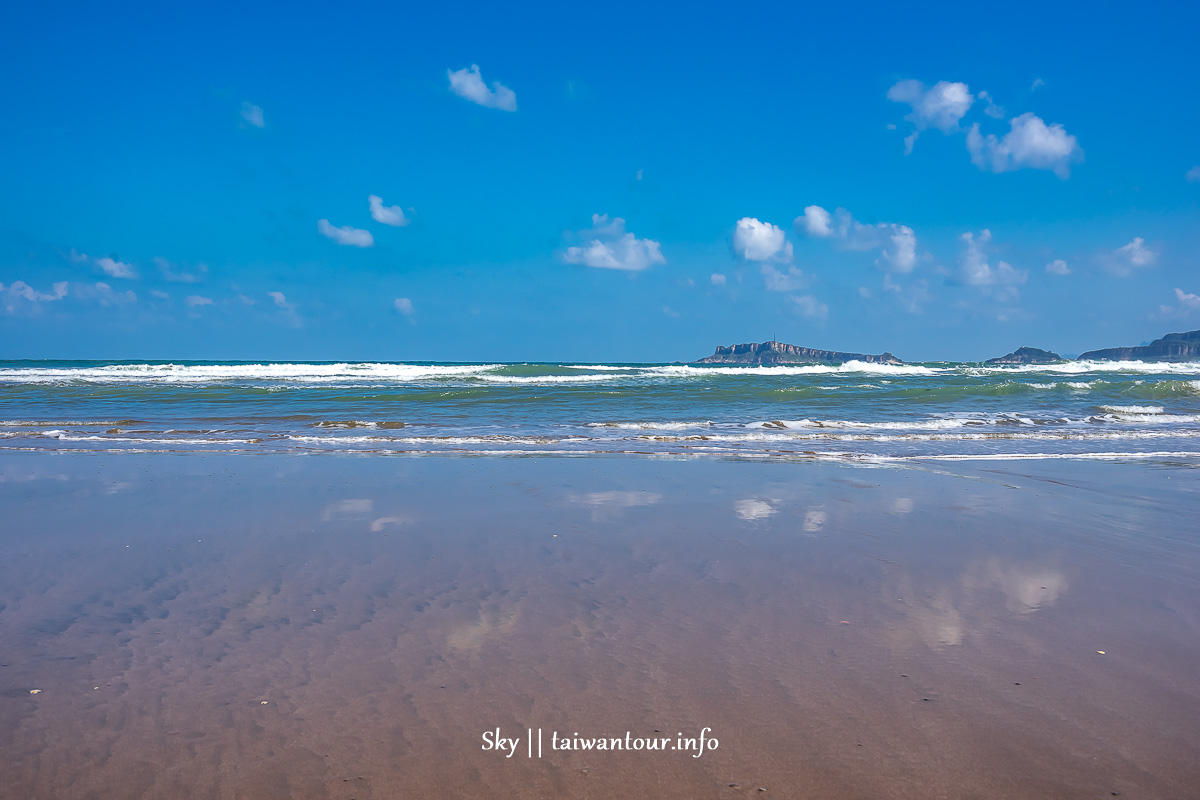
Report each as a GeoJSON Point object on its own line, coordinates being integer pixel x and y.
{"type": "Point", "coordinates": [631, 182]}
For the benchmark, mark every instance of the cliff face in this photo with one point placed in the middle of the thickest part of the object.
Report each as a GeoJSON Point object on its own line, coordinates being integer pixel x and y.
{"type": "Point", "coordinates": [1027, 355]}
{"type": "Point", "coordinates": [780, 353]}
{"type": "Point", "coordinates": [1172, 347]}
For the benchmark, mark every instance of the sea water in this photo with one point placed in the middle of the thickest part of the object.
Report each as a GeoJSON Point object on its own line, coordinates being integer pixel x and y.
{"type": "Point", "coordinates": [854, 411]}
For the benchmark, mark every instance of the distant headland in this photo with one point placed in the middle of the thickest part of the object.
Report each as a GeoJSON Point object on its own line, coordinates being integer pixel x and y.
{"type": "Point", "coordinates": [1172, 347]}
{"type": "Point", "coordinates": [780, 353]}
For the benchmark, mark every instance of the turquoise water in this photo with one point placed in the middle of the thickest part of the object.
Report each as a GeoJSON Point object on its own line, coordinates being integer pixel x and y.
{"type": "Point", "coordinates": [855, 411]}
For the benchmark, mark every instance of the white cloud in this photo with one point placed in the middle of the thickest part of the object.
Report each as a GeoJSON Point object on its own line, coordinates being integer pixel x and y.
{"type": "Point", "coordinates": [1186, 305]}
{"type": "Point", "coordinates": [670, 312]}
{"type": "Point", "coordinates": [717, 279]}
{"type": "Point", "coordinates": [253, 115]}
{"type": "Point", "coordinates": [468, 84]}
{"type": "Point", "coordinates": [114, 268]}
{"type": "Point", "coordinates": [1192, 175]}
{"type": "Point", "coordinates": [404, 306]}
{"type": "Point", "coordinates": [609, 246]}
{"type": "Point", "coordinates": [941, 106]}
{"type": "Point", "coordinates": [897, 243]}
{"type": "Point", "coordinates": [912, 297]}
{"type": "Point", "coordinates": [109, 266]}
{"type": "Point", "coordinates": [753, 509]}
{"type": "Point", "coordinates": [1001, 279]}
{"type": "Point", "coordinates": [20, 290]}
{"type": "Point", "coordinates": [814, 521]}
{"type": "Point", "coordinates": [1037, 84]}
{"type": "Point", "coordinates": [159, 294]}
{"type": "Point", "coordinates": [761, 241]}
{"type": "Point", "coordinates": [994, 111]}
{"type": "Point", "coordinates": [194, 300]}
{"type": "Point", "coordinates": [105, 295]}
{"type": "Point", "coordinates": [789, 281]}
{"type": "Point", "coordinates": [815, 221]}
{"type": "Point", "coordinates": [1030, 144]}
{"type": "Point", "coordinates": [1058, 267]}
{"type": "Point", "coordinates": [388, 215]}
{"type": "Point", "coordinates": [809, 306]}
{"type": "Point", "coordinates": [280, 299]}
{"type": "Point", "coordinates": [1134, 255]}
{"type": "Point", "coordinates": [356, 237]}
{"type": "Point", "coordinates": [169, 273]}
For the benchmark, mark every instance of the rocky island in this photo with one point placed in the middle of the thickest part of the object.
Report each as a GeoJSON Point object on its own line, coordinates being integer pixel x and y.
{"type": "Point", "coordinates": [771, 353]}
{"type": "Point", "coordinates": [1172, 347]}
{"type": "Point", "coordinates": [1027, 355]}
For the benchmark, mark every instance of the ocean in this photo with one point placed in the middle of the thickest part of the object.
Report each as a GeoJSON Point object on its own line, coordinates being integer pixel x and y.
{"type": "Point", "coordinates": [856, 411]}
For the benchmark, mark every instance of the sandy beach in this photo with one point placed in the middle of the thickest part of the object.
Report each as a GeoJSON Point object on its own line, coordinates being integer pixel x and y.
{"type": "Point", "coordinates": [351, 627]}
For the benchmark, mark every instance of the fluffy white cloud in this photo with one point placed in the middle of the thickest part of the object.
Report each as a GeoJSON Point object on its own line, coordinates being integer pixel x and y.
{"type": "Point", "coordinates": [761, 241]}
{"type": "Point", "coordinates": [195, 300]}
{"type": "Point", "coordinates": [355, 237]}
{"type": "Point", "coordinates": [1030, 144]}
{"type": "Point", "coordinates": [717, 279]}
{"type": "Point", "coordinates": [468, 84]}
{"type": "Point", "coordinates": [253, 115]}
{"type": "Point", "coordinates": [404, 306]}
{"type": "Point", "coordinates": [809, 306]}
{"type": "Point", "coordinates": [941, 106]}
{"type": "Point", "coordinates": [1192, 175]}
{"type": "Point", "coordinates": [1186, 305]}
{"type": "Point", "coordinates": [1135, 255]}
{"type": "Point", "coordinates": [609, 246]}
{"type": "Point", "coordinates": [815, 221]}
{"type": "Point", "coordinates": [20, 290]}
{"type": "Point", "coordinates": [388, 215]}
{"type": "Point", "coordinates": [1058, 267]}
{"type": "Point", "coordinates": [897, 243]}
{"type": "Point", "coordinates": [1001, 279]}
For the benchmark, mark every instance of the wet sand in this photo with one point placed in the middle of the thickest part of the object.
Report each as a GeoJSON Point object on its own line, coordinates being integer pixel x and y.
{"type": "Point", "coordinates": [349, 627]}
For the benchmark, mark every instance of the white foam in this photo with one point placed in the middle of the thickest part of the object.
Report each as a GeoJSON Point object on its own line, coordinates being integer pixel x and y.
{"type": "Point", "coordinates": [1134, 409]}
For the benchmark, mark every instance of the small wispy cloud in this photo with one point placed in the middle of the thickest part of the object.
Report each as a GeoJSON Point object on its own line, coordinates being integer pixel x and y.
{"type": "Point", "coordinates": [253, 115]}
{"type": "Point", "coordinates": [177, 275]}
{"type": "Point", "coordinates": [941, 106]}
{"type": "Point", "coordinates": [1186, 305]}
{"type": "Point", "coordinates": [280, 299]}
{"type": "Point", "coordinates": [195, 301]}
{"type": "Point", "coordinates": [404, 306]}
{"type": "Point", "coordinates": [1123, 261]}
{"type": "Point", "coordinates": [716, 279]}
{"type": "Point", "coordinates": [1058, 267]}
{"type": "Point", "coordinates": [19, 291]}
{"type": "Point", "coordinates": [468, 84]}
{"type": "Point", "coordinates": [809, 307]}
{"type": "Point", "coordinates": [896, 243]}
{"type": "Point", "coordinates": [610, 246]}
{"type": "Point", "coordinates": [346, 235]}
{"type": "Point", "coordinates": [108, 265]}
{"type": "Point", "coordinates": [1192, 175]}
{"type": "Point", "coordinates": [388, 215]}
{"type": "Point", "coordinates": [1001, 280]}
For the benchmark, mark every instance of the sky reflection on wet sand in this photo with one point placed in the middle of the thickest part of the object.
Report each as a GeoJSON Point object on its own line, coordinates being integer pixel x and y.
{"type": "Point", "coordinates": [216, 626]}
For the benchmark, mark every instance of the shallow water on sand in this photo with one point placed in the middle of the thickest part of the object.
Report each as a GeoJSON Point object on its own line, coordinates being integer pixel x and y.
{"type": "Point", "coordinates": [350, 626]}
